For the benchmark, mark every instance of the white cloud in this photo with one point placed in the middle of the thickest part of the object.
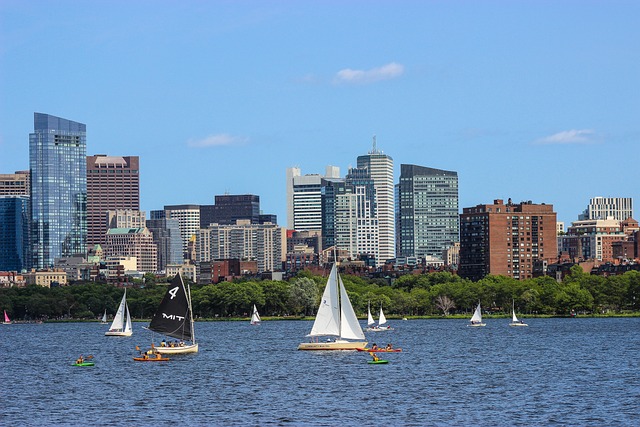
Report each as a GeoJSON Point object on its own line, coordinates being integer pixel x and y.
{"type": "Point", "coordinates": [386, 72]}
{"type": "Point", "coordinates": [573, 136]}
{"type": "Point", "coordinates": [222, 139]}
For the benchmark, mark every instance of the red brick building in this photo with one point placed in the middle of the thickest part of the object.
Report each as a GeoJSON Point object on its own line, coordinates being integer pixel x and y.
{"type": "Point", "coordinates": [505, 239]}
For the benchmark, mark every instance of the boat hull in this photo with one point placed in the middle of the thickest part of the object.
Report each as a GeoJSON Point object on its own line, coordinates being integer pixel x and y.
{"type": "Point", "coordinates": [378, 329]}
{"type": "Point", "coordinates": [332, 345]}
{"type": "Point", "coordinates": [377, 362]}
{"type": "Point", "coordinates": [151, 359]}
{"type": "Point", "coordinates": [84, 364]}
{"type": "Point", "coordinates": [192, 348]}
{"type": "Point", "coordinates": [118, 333]}
{"type": "Point", "coordinates": [477, 325]}
{"type": "Point", "coordinates": [518, 324]}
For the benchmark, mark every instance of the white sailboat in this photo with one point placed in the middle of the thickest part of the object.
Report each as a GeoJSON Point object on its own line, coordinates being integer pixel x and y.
{"type": "Point", "coordinates": [476, 319]}
{"type": "Point", "coordinates": [121, 325]}
{"type": "Point", "coordinates": [255, 317]}
{"type": "Point", "coordinates": [174, 318]}
{"type": "Point", "coordinates": [103, 321]}
{"type": "Point", "coordinates": [336, 318]}
{"type": "Point", "coordinates": [514, 319]}
{"type": "Point", "coordinates": [381, 321]}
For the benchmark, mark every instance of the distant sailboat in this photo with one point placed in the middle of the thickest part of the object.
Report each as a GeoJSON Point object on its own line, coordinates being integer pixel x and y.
{"type": "Point", "coordinates": [6, 321]}
{"type": "Point", "coordinates": [255, 317]}
{"type": "Point", "coordinates": [514, 319]}
{"type": "Point", "coordinates": [104, 318]}
{"type": "Point", "coordinates": [381, 321]}
{"type": "Point", "coordinates": [121, 325]}
{"type": "Point", "coordinates": [335, 317]}
{"type": "Point", "coordinates": [174, 318]}
{"type": "Point", "coordinates": [476, 319]}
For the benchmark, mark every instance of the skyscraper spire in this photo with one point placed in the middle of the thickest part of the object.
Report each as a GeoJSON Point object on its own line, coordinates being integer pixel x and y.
{"type": "Point", "coordinates": [374, 150]}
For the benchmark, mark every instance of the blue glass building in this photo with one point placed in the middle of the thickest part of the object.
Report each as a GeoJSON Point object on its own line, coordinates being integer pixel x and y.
{"type": "Point", "coordinates": [14, 233]}
{"type": "Point", "coordinates": [58, 165]}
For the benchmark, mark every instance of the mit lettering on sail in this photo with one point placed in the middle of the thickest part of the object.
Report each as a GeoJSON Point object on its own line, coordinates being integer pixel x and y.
{"type": "Point", "coordinates": [172, 316]}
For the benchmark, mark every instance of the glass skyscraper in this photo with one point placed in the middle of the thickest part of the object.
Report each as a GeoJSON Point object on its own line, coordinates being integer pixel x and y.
{"type": "Point", "coordinates": [14, 233]}
{"type": "Point", "coordinates": [58, 166]}
{"type": "Point", "coordinates": [428, 211]}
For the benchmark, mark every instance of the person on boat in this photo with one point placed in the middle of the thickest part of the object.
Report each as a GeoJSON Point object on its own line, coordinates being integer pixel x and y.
{"type": "Point", "coordinates": [374, 356]}
{"type": "Point", "coordinates": [80, 360]}
{"type": "Point", "coordinates": [163, 343]}
{"type": "Point", "coordinates": [374, 346]}
{"type": "Point", "coordinates": [389, 346]}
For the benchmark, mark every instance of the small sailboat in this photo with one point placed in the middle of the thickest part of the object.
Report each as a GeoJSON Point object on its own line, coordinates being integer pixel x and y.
{"type": "Point", "coordinates": [6, 321]}
{"type": "Point", "coordinates": [103, 321]}
{"type": "Point", "coordinates": [476, 319]}
{"type": "Point", "coordinates": [335, 317]}
{"type": "Point", "coordinates": [255, 317]}
{"type": "Point", "coordinates": [174, 318]}
{"type": "Point", "coordinates": [121, 325]}
{"type": "Point", "coordinates": [514, 319]}
{"type": "Point", "coordinates": [381, 321]}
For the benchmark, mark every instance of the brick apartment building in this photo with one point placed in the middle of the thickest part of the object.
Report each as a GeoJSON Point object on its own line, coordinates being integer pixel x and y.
{"type": "Point", "coordinates": [505, 239]}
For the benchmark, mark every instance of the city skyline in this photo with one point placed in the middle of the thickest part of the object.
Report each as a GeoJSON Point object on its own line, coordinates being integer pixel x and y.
{"type": "Point", "coordinates": [527, 101]}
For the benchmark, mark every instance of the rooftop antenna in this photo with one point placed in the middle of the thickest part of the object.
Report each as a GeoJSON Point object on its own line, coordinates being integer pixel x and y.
{"type": "Point", "coordinates": [374, 150]}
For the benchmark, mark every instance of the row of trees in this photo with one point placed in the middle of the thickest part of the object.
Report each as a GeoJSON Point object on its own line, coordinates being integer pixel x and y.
{"type": "Point", "coordinates": [410, 295]}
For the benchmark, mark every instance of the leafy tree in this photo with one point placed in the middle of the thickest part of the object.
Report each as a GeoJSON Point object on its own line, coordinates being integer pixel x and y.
{"type": "Point", "coordinates": [303, 297]}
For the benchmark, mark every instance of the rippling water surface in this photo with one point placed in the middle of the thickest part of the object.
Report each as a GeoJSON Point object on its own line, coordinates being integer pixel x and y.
{"type": "Point", "coordinates": [555, 372]}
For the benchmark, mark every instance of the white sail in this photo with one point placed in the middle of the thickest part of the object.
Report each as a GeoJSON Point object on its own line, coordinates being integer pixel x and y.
{"type": "Point", "coordinates": [349, 325]}
{"type": "Point", "coordinates": [127, 327]}
{"type": "Point", "coordinates": [328, 317]}
{"type": "Point", "coordinates": [255, 317]}
{"type": "Point", "coordinates": [514, 318]}
{"type": "Point", "coordinates": [370, 320]}
{"type": "Point", "coordinates": [382, 319]}
{"type": "Point", "coordinates": [118, 319]}
{"type": "Point", "coordinates": [104, 317]}
{"type": "Point", "coordinates": [477, 315]}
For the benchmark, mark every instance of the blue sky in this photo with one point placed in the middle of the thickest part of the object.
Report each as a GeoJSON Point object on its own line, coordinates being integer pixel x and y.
{"type": "Point", "coordinates": [529, 100]}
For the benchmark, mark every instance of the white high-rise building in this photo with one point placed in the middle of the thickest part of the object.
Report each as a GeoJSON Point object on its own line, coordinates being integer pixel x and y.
{"type": "Point", "coordinates": [618, 208]}
{"type": "Point", "coordinates": [188, 217]}
{"type": "Point", "coordinates": [380, 167]}
{"type": "Point", "coordinates": [304, 203]}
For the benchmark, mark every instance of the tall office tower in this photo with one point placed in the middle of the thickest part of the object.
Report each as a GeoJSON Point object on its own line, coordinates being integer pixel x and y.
{"type": "Point", "coordinates": [58, 166]}
{"type": "Point", "coordinates": [367, 230]}
{"type": "Point", "coordinates": [618, 208]}
{"type": "Point", "coordinates": [188, 217]}
{"type": "Point", "coordinates": [166, 236]}
{"type": "Point", "coordinates": [349, 215]}
{"type": "Point", "coordinates": [380, 167]}
{"type": "Point", "coordinates": [229, 208]}
{"type": "Point", "coordinates": [506, 239]}
{"type": "Point", "coordinates": [331, 190]}
{"type": "Point", "coordinates": [14, 233]}
{"type": "Point", "coordinates": [428, 220]}
{"type": "Point", "coordinates": [304, 210]}
{"type": "Point", "coordinates": [113, 183]}
{"type": "Point", "coordinates": [263, 243]}
{"type": "Point", "coordinates": [14, 221]}
{"type": "Point", "coordinates": [15, 184]}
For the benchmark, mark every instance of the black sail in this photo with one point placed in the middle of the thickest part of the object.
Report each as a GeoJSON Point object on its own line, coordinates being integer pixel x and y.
{"type": "Point", "coordinates": [173, 317]}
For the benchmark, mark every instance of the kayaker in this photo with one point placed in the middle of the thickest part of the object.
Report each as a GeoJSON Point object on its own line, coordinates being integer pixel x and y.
{"type": "Point", "coordinates": [80, 360]}
{"type": "Point", "coordinates": [375, 357]}
{"type": "Point", "coordinates": [374, 346]}
{"type": "Point", "coordinates": [389, 346]}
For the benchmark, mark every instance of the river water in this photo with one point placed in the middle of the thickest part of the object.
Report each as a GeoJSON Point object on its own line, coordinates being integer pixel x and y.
{"type": "Point", "coordinates": [577, 372]}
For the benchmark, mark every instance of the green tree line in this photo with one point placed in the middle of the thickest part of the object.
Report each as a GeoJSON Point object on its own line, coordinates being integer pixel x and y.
{"type": "Point", "coordinates": [410, 295]}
